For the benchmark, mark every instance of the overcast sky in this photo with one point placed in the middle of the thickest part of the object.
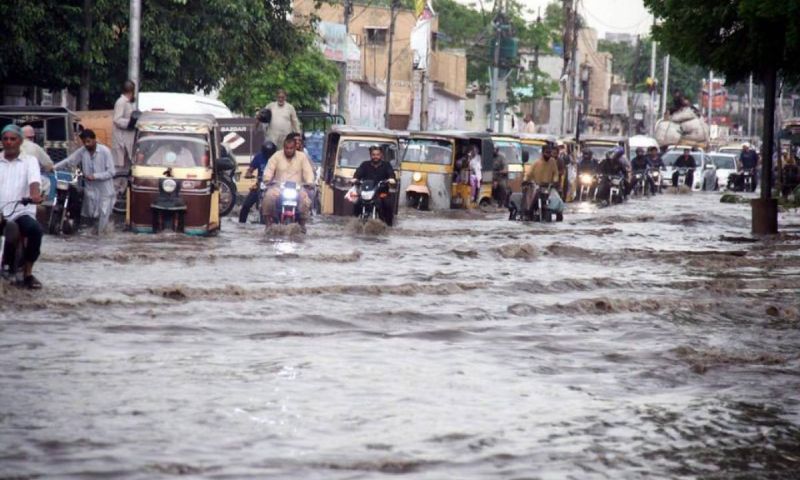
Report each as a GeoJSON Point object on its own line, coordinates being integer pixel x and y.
{"type": "Point", "coordinates": [628, 16]}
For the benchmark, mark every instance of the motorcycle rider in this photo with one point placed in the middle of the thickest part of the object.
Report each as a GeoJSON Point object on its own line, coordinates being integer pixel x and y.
{"type": "Point", "coordinates": [656, 163]}
{"type": "Point", "coordinates": [377, 170]}
{"type": "Point", "coordinates": [20, 178]}
{"type": "Point", "coordinates": [612, 166]}
{"type": "Point", "coordinates": [259, 163]}
{"type": "Point", "coordinates": [588, 163]}
{"type": "Point", "coordinates": [544, 171]}
{"type": "Point", "coordinates": [287, 165]}
{"type": "Point", "coordinates": [684, 161]}
{"type": "Point", "coordinates": [97, 164]}
{"type": "Point", "coordinates": [640, 165]}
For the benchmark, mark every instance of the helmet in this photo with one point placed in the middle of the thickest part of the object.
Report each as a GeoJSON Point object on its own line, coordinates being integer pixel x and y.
{"type": "Point", "coordinates": [268, 148]}
{"type": "Point", "coordinates": [264, 115]}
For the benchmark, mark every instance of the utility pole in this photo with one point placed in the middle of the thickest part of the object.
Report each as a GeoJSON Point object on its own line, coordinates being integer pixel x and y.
{"type": "Point", "coordinates": [536, 65]}
{"type": "Point", "coordinates": [750, 108]}
{"type": "Point", "coordinates": [493, 71]}
{"type": "Point", "coordinates": [342, 98]}
{"type": "Point", "coordinates": [665, 89]}
{"type": "Point", "coordinates": [652, 112]}
{"type": "Point", "coordinates": [133, 49]}
{"type": "Point", "coordinates": [564, 80]}
{"type": "Point", "coordinates": [710, 97]}
{"type": "Point", "coordinates": [393, 17]}
{"type": "Point", "coordinates": [576, 78]}
{"type": "Point", "coordinates": [632, 86]}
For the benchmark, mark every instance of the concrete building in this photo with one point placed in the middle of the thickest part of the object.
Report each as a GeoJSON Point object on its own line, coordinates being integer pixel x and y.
{"type": "Point", "coordinates": [367, 76]}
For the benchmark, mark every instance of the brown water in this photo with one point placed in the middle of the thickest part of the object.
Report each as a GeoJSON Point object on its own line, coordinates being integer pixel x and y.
{"type": "Point", "coordinates": [652, 339]}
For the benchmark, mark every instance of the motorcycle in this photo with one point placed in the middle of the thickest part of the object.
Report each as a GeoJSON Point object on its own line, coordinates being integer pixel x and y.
{"type": "Point", "coordinates": [289, 198]}
{"type": "Point", "coordinates": [748, 180]}
{"type": "Point", "coordinates": [369, 192]}
{"type": "Point", "coordinates": [65, 216]}
{"type": "Point", "coordinates": [17, 259]}
{"type": "Point", "coordinates": [655, 178]}
{"type": "Point", "coordinates": [616, 192]}
{"type": "Point", "coordinates": [537, 203]}
{"type": "Point", "coordinates": [683, 172]}
{"type": "Point", "coordinates": [640, 184]}
{"type": "Point", "coordinates": [587, 186]}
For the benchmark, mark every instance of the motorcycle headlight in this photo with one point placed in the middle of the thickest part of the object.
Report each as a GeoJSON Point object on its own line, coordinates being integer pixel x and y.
{"type": "Point", "coordinates": [290, 194]}
{"type": "Point", "coordinates": [367, 195]}
{"type": "Point", "coordinates": [169, 185]}
{"type": "Point", "coordinates": [586, 178]}
{"type": "Point", "coordinates": [417, 177]}
{"type": "Point", "coordinates": [615, 182]}
{"type": "Point", "coordinates": [62, 185]}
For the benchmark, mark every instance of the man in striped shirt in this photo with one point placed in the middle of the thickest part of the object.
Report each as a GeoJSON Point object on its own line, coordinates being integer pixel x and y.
{"type": "Point", "coordinates": [19, 179]}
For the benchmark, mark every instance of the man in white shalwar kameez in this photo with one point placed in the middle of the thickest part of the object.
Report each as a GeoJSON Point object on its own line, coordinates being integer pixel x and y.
{"type": "Point", "coordinates": [121, 134]}
{"type": "Point", "coordinates": [97, 165]}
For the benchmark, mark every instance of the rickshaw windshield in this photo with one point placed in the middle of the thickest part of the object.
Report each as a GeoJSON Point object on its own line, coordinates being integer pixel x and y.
{"type": "Point", "coordinates": [172, 150]}
{"type": "Point", "coordinates": [511, 151]}
{"type": "Point", "coordinates": [534, 152]}
{"type": "Point", "coordinates": [352, 153]}
{"type": "Point", "coordinates": [598, 150]}
{"type": "Point", "coordinates": [438, 152]}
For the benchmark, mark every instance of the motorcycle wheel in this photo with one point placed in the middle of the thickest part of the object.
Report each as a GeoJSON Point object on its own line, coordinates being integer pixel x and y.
{"type": "Point", "coordinates": [227, 196]}
{"type": "Point", "coordinates": [121, 187]}
{"type": "Point", "coordinates": [56, 219]}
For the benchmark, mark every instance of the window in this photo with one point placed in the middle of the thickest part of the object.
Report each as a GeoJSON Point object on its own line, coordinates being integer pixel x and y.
{"type": "Point", "coordinates": [376, 35]}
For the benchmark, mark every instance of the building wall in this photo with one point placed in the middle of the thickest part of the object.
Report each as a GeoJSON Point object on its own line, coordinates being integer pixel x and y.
{"type": "Point", "coordinates": [600, 65]}
{"type": "Point", "coordinates": [449, 71]}
{"type": "Point", "coordinates": [366, 109]}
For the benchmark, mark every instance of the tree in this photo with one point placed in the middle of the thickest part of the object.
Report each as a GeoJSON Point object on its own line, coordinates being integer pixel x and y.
{"type": "Point", "coordinates": [738, 38]}
{"type": "Point", "coordinates": [186, 44]}
{"type": "Point", "coordinates": [308, 79]}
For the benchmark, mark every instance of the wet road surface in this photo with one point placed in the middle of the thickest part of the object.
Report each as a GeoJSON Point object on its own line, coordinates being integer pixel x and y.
{"type": "Point", "coordinates": [654, 339]}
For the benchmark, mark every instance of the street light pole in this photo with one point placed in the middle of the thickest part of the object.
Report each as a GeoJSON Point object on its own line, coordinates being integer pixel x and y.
{"type": "Point", "coordinates": [133, 47]}
{"type": "Point", "coordinates": [393, 17]}
{"type": "Point", "coordinates": [343, 97]}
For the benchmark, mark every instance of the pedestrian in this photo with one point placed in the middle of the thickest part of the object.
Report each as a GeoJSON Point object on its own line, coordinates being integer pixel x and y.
{"type": "Point", "coordinates": [30, 147]}
{"type": "Point", "coordinates": [527, 124]}
{"type": "Point", "coordinates": [19, 178]}
{"type": "Point", "coordinates": [476, 172]}
{"type": "Point", "coordinates": [97, 165]}
{"type": "Point", "coordinates": [123, 128]}
{"type": "Point", "coordinates": [283, 119]}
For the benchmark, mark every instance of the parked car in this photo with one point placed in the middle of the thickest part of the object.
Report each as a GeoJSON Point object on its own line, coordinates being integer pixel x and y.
{"type": "Point", "coordinates": [725, 164]}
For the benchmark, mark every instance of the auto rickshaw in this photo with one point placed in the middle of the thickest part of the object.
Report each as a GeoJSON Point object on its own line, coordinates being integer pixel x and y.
{"type": "Point", "coordinates": [509, 146]}
{"type": "Point", "coordinates": [789, 163]}
{"type": "Point", "coordinates": [174, 182]}
{"type": "Point", "coordinates": [435, 171]}
{"type": "Point", "coordinates": [346, 147]}
{"type": "Point", "coordinates": [599, 145]}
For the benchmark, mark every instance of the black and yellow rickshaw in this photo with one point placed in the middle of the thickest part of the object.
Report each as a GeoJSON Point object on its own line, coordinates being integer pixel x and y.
{"type": "Point", "coordinates": [174, 176]}
{"type": "Point", "coordinates": [346, 147]}
{"type": "Point", "coordinates": [600, 144]}
{"type": "Point", "coordinates": [435, 171]}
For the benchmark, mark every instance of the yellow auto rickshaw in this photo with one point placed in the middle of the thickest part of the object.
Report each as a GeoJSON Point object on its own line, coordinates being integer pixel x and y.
{"type": "Point", "coordinates": [174, 182]}
{"type": "Point", "coordinates": [346, 147]}
{"type": "Point", "coordinates": [510, 147]}
{"type": "Point", "coordinates": [435, 170]}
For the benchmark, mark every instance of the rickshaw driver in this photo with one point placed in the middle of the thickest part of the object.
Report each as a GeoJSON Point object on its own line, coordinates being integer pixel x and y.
{"type": "Point", "coordinates": [287, 166]}
{"type": "Point", "coordinates": [173, 155]}
{"type": "Point", "coordinates": [377, 170]}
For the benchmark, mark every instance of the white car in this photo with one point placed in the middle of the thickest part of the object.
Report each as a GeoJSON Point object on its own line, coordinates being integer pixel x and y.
{"type": "Point", "coordinates": [725, 164]}
{"type": "Point", "coordinates": [702, 161]}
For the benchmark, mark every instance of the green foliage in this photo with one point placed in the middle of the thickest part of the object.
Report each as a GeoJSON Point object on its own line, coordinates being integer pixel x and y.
{"type": "Point", "coordinates": [735, 37]}
{"type": "Point", "coordinates": [186, 44]}
{"type": "Point", "coordinates": [307, 78]}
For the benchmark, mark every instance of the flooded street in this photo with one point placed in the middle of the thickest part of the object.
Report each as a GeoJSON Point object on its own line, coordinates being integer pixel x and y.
{"type": "Point", "coordinates": [652, 339]}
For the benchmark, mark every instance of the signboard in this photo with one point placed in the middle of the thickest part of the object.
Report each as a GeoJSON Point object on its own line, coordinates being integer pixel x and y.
{"type": "Point", "coordinates": [720, 95]}
{"type": "Point", "coordinates": [336, 44]}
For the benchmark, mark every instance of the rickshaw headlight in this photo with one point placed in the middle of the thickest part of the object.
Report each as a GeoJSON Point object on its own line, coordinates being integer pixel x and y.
{"type": "Point", "coordinates": [417, 177]}
{"type": "Point", "coordinates": [169, 185]}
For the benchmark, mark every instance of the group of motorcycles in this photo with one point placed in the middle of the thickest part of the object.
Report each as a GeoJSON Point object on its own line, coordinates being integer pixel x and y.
{"type": "Point", "coordinates": [642, 184]}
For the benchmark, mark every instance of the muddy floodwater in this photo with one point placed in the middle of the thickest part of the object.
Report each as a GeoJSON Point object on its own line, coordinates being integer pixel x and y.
{"type": "Point", "coordinates": [656, 339]}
